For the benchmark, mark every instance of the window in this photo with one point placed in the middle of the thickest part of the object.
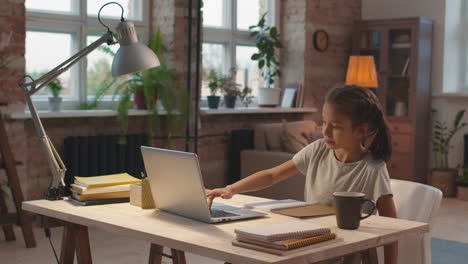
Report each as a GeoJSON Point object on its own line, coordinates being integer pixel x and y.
{"type": "Point", "coordinates": [57, 29]}
{"type": "Point", "coordinates": [227, 42]}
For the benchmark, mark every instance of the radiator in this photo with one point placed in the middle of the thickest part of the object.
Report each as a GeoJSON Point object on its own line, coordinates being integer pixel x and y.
{"type": "Point", "coordinates": [100, 155]}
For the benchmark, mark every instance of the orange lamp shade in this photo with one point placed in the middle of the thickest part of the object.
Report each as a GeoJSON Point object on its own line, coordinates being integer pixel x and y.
{"type": "Point", "coordinates": [361, 71]}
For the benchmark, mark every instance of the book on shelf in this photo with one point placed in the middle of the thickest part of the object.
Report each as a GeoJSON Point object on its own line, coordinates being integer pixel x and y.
{"type": "Point", "coordinates": [288, 244]}
{"type": "Point", "coordinates": [404, 71]}
{"type": "Point", "coordinates": [106, 180]}
{"type": "Point", "coordinates": [283, 231]}
{"type": "Point", "coordinates": [308, 210]}
{"type": "Point", "coordinates": [100, 201]}
{"type": "Point", "coordinates": [97, 196]}
{"type": "Point", "coordinates": [105, 189]}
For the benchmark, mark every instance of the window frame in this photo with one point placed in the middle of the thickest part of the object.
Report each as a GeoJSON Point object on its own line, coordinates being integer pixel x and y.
{"type": "Point", "coordinates": [230, 36]}
{"type": "Point", "coordinates": [80, 24]}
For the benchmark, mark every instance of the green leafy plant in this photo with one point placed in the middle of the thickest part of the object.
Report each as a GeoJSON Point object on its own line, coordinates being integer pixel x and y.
{"type": "Point", "coordinates": [215, 81]}
{"type": "Point", "coordinates": [463, 179]}
{"type": "Point", "coordinates": [55, 87]}
{"type": "Point", "coordinates": [230, 87]}
{"type": "Point", "coordinates": [246, 96]}
{"type": "Point", "coordinates": [267, 41]}
{"type": "Point", "coordinates": [157, 83]}
{"type": "Point", "coordinates": [441, 139]}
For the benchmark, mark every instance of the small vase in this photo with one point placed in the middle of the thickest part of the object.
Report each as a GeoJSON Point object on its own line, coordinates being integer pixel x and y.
{"type": "Point", "coordinates": [54, 103]}
{"type": "Point", "coordinates": [230, 101]}
{"type": "Point", "coordinates": [213, 101]}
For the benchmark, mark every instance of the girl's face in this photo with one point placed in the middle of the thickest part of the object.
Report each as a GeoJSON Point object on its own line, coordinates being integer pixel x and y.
{"type": "Point", "coordinates": [338, 130]}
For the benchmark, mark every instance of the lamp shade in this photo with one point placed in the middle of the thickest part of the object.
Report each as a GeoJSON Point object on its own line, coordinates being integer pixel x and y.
{"type": "Point", "coordinates": [361, 71]}
{"type": "Point", "coordinates": [132, 56]}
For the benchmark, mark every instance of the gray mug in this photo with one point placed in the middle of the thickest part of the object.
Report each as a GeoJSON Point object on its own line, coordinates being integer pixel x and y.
{"type": "Point", "coordinates": [348, 206]}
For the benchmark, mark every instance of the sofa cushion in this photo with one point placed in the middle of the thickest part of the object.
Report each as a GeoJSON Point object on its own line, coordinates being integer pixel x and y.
{"type": "Point", "coordinates": [293, 140]}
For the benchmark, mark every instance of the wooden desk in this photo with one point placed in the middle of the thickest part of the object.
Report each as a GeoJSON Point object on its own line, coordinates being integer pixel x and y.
{"type": "Point", "coordinates": [212, 240]}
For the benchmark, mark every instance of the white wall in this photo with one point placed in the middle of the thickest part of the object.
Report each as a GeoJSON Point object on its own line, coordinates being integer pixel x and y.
{"type": "Point", "coordinates": [447, 71]}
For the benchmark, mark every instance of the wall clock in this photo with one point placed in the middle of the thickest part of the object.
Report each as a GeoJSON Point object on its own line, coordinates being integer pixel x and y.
{"type": "Point", "coordinates": [321, 40]}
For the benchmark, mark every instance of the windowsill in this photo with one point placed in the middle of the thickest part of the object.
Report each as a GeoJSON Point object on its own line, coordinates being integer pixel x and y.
{"type": "Point", "coordinates": [255, 110]}
{"type": "Point", "coordinates": [203, 111]}
{"type": "Point", "coordinates": [78, 114]}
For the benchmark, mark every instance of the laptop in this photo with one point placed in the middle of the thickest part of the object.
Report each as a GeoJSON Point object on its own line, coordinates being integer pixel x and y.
{"type": "Point", "coordinates": [177, 187]}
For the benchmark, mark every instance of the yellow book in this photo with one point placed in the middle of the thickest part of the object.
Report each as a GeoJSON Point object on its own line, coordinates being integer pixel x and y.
{"type": "Point", "coordinates": [98, 196]}
{"type": "Point", "coordinates": [106, 180]}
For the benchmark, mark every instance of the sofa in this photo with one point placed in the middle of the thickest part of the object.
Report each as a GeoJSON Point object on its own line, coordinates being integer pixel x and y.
{"type": "Point", "coordinates": [276, 143]}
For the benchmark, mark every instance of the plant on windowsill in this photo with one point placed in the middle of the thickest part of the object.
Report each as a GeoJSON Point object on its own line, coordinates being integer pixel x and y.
{"type": "Point", "coordinates": [462, 185]}
{"type": "Point", "coordinates": [246, 96]}
{"type": "Point", "coordinates": [215, 82]}
{"type": "Point", "coordinates": [159, 84]}
{"type": "Point", "coordinates": [267, 42]}
{"type": "Point", "coordinates": [442, 176]}
{"type": "Point", "coordinates": [231, 89]}
{"type": "Point", "coordinates": [55, 87]}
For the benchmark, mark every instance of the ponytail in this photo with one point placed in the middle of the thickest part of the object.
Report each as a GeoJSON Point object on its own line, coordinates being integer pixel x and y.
{"type": "Point", "coordinates": [362, 106]}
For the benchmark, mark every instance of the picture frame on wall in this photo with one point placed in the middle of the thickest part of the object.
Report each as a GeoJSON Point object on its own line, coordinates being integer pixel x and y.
{"type": "Point", "coordinates": [288, 98]}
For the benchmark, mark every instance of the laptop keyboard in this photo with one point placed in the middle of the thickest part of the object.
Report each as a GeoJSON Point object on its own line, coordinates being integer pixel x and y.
{"type": "Point", "coordinates": [216, 213]}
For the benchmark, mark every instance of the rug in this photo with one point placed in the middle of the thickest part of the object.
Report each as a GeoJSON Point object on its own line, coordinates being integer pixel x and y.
{"type": "Point", "coordinates": [448, 251]}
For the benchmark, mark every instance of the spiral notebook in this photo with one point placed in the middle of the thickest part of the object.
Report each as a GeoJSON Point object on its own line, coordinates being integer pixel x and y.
{"type": "Point", "coordinates": [288, 244]}
{"type": "Point", "coordinates": [283, 231]}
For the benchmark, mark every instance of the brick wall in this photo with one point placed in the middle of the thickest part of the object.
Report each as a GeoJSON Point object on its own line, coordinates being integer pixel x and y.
{"type": "Point", "coordinates": [317, 71]}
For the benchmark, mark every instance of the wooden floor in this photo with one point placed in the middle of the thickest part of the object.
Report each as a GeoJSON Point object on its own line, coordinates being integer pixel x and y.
{"type": "Point", "coordinates": [107, 248]}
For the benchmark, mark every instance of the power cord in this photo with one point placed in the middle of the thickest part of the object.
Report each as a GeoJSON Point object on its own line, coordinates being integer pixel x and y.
{"type": "Point", "coordinates": [48, 235]}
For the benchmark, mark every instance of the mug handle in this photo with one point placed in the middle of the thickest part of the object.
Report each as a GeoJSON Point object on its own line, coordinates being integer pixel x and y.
{"type": "Point", "coordinates": [373, 208]}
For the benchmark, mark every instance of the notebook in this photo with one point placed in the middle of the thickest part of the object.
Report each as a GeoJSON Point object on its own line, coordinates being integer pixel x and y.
{"type": "Point", "coordinates": [288, 244]}
{"type": "Point", "coordinates": [306, 211]}
{"type": "Point", "coordinates": [283, 231]}
{"type": "Point", "coordinates": [106, 180]}
{"type": "Point", "coordinates": [280, 252]}
{"type": "Point", "coordinates": [276, 204]}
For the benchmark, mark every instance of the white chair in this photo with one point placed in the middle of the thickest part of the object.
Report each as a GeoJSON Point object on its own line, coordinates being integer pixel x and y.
{"type": "Point", "coordinates": [417, 202]}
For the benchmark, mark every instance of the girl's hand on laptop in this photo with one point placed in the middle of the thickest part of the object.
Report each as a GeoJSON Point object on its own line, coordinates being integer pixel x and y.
{"type": "Point", "coordinates": [225, 193]}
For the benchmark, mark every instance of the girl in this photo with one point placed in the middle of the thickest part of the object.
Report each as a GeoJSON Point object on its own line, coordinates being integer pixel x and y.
{"type": "Point", "coordinates": [350, 157]}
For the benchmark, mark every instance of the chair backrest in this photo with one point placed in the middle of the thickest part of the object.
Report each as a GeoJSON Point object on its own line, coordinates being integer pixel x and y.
{"type": "Point", "coordinates": [417, 202]}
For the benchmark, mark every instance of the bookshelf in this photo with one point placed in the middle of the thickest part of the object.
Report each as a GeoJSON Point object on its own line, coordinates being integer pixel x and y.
{"type": "Point", "coordinates": [402, 51]}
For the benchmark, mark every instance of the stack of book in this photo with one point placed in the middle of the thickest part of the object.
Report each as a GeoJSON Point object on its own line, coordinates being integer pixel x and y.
{"type": "Point", "coordinates": [280, 238]}
{"type": "Point", "coordinates": [104, 189]}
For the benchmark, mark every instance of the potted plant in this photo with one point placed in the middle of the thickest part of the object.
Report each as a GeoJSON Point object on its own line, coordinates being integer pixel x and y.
{"type": "Point", "coordinates": [55, 87]}
{"type": "Point", "coordinates": [442, 176]}
{"type": "Point", "coordinates": [245, 96]}
{"type": "Point", "coordinates": [462, 185]}
{"type": "Point", "coordinates": [231, 89]}
{"type": "Point", "coordinates": [215, 82]}
{"type": "Point", "coordinates": [267, 42]}
{"type": "Point", "coordinates": [157, 84]}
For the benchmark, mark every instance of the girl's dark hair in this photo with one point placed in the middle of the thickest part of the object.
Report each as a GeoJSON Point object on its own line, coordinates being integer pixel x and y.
{"type": "Point", "coordinates": [362, 106]}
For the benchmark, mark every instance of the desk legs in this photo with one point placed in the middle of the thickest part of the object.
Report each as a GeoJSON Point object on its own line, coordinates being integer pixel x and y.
{"type": "Point", "coordinates": [156, 253]}
{"type": "Point", "coordinates": [75, 237]}
{"type": "Point", "coordinates": [369, 256]}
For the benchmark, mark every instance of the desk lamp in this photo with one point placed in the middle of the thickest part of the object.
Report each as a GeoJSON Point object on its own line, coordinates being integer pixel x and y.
{"type": "Point", "coordinates": [132, 56]}
{"type": "Point", "coordinates": [361, 71]}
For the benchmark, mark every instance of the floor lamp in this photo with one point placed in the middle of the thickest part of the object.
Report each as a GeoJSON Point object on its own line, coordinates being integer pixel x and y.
{"type": "Point", "coordinates": [132, 56]}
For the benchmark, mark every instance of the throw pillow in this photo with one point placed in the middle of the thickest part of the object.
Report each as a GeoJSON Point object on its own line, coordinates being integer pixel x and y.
{"type": "Point", "coordinates": [292, 140]}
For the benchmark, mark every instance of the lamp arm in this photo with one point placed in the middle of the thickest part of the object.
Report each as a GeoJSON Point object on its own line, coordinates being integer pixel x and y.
{"type": "Point", "coordinates": [43, 81]}
{"type": "Point", "coordinates": [55, 162]}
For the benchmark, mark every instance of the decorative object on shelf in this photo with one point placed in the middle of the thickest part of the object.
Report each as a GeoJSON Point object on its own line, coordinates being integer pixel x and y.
{"type": "Point", "coordinates": [442, 176]}
{"type": "Point", "coordinates": [362, 72]}
{"type": "Point", "coordinates": [132, 56]}
{"type": "Point", "coordinates": [55, 87]}
{"type": "Point", "coordinates": [267, 41]}
{"type": "Point", "coordinates": [289, 94]}
{"type": "Point", "coordinates": [462, 185]}
{"type": "Point", "coordinates": [321, 40]}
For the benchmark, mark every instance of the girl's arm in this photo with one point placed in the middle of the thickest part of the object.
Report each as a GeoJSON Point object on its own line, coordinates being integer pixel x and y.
{"type": "Point", "coordinates": [257, 181]}
{"type": "Point", "coordinates": [386, 207]}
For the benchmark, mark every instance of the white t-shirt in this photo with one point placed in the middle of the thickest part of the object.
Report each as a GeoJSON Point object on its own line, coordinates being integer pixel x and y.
{"type": "Point", "coordinates": [325, 175]}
